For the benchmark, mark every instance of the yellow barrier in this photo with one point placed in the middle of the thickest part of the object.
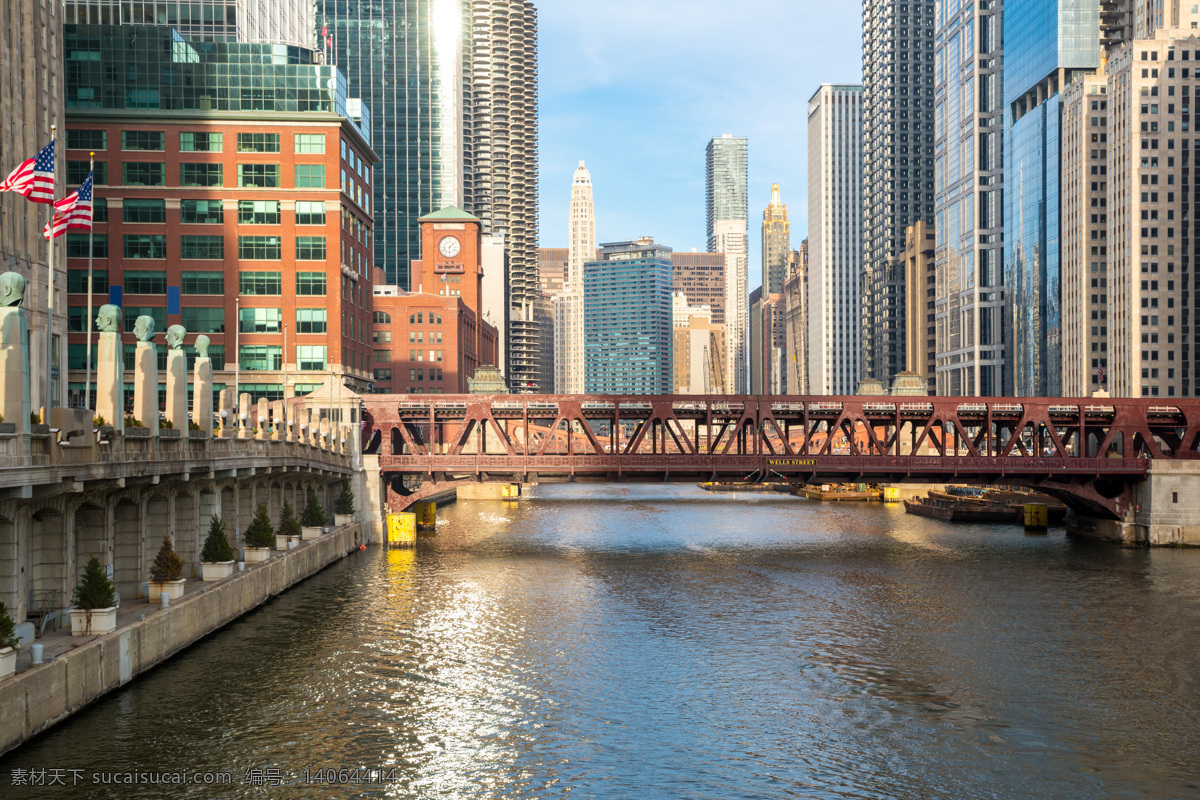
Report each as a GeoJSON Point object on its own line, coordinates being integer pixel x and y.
{"type": "Point", "coordinates": [510, 491]}
{"type": "Point", "coordinates": [426, 514]}
{"type": "Point", "coordinates": [1037, 517]}
{"type": "Point", "coordinates": [891, 494]}
{"type": "Point", "coordinates": [402, 530]}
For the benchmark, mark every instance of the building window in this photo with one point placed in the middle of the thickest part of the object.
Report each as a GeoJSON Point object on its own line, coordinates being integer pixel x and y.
{"type": "Point", "coordinates": [145, 281]}
{"type": "Point", "coordinates": [260, 283]}
{"type": "Point", "coordinates": [310, 248]}
{"type": "Point", "coordinates": [381, 337]}
{"type": "Point", "coordinates": [382, 356]}
{"type": "Point", "coordinates": [310, 143]}
{"type": "Point", "coordinates": [133, 210]}
{"type": "Point", "coordinates": [310, 176]}
{"type": "Point", "coordinates": [143, 140]}
{"type": "Point", "coordinates": [99, 209]}
{"type": "Point", "coordinates": [77, 172]}
{"type": "Point", "coordinates": [303, 389]}
{"type": "Point", "coordinates": [263, 391]}
{"type": "Point", "coordinates": [216, 354]}
{"type": "Point", "coordinates": [310, 320]}
{"type": "Point", "coordinates": [77, 281]}
{"type": "Point", "coordinates": [260, 248]}
{"type": "Point", "coordinates": [200, 142]}
{"type": "Point", "coordinates": [260, 357]}
{"type": "Point", "coordinates": [87, 140]}
{"type": "Point", "coordinates": [133, 312]}
{"type": "Point", "coordinates": [143, 173]}
{"type": "Point", "coordinates": [77, 356]}
{"type": "Point", "coordinates": [310, 284]}
{"type": "Point", "coordinates": [76, 316]}
{"type": "Point", "coordinates": [200, 175]}
{"type": "Point", "coordinates": [209, 282]}
{"type": "Point", "coordinates": [382, 318]}
{"type": "Point", "coordinates": [310, 357]}
{"type": "Point", "coordinates": [258, 142]}
{"type": "Point", "coordinates": [261, 176]}
{"type": "Point", "coordinates": [201, 212]}
{"type": "Point", "coordinates": [310, 213]}
{"type": "Point", "coordinates": [145, 246]}
{"type": "Point", "coordinates": [202, 247]}
{"type": "Point", "coordinates": [77, 245]}
{"type": "Point", "coordinates": [260, 320]}
{"type": "Point", "coordinates": [204, 320]}
{"type": "Point", "coordinates": [258, 212]}
{"type": "Point", "coordinates": [382, 374]}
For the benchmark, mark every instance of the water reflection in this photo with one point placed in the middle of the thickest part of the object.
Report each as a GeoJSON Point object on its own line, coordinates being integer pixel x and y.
{"type": "Point", "coordinates": [631, 641]}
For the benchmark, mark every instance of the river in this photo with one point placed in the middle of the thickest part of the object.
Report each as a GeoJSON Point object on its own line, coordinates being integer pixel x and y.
{"type": "Point", "coordinates": [659, 642]}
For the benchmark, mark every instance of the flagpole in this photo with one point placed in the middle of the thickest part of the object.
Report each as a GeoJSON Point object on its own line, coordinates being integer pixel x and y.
{"type": "Point", "coordinates": [50, 286]}
{"type": "Point", "coordinates": [87, 321]}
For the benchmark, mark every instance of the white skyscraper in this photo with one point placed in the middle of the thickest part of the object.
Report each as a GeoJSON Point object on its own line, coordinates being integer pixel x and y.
{"type": "Point", "coordinates": [834, 238]}
{"type": "Point", "coordinates": [568, 306]}
{"type": "Point", "coordinates": [728, 222]}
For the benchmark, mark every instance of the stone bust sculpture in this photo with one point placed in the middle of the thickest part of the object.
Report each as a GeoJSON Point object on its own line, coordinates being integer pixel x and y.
{"type": "Point", "coordinates": [202, 346]}
{"type": "Point", "coordinates": [109, 318]}
{"type": "Point", "coordinates": [143, 328]}
{"type": "Point", "coordinates": [175, 335]}
{"type": "Point", "coordinates": [12, 285]}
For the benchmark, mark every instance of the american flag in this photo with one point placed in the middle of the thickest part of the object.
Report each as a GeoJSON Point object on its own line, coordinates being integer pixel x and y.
{"type": "Point", "coordinates": [34, 178]}
{"type": "Point", "coordinates": [73, 211]}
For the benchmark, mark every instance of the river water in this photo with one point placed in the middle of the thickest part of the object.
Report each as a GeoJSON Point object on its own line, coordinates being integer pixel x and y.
{"type": "Point", "coordinates": [661, 642]}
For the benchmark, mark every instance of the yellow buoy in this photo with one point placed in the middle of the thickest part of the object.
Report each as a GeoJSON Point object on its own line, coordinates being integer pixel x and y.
{"type": "Point", "coordinates": [1037, 517]}
{"type": "Point", "coordinates": [402, 530]}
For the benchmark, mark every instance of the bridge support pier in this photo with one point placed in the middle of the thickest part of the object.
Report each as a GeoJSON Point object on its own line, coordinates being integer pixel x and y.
{"type": "Point", "coordinates": [1164, 512]}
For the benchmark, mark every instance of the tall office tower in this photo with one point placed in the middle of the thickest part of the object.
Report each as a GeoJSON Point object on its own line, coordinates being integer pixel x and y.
{"type": "Point", "coordinates": [898, 79]}
{"type": "Point", "coordinates": [627, 319]}
{"type": "Point", "coordinates": [552, 269]}
{"type": "Point", "coordinates": [406, 60]}
{"type": "Point", "coordinates": [500, 151]}
{"type": "Point", "coordinates": [31, 94]}
{"type": "Point", "coordinates": [1047, 45]}
{"type": "Point", "coordinates": [699, 349]}
{"type": "Point", "coordinates": [776, 243]}
{"type": "Point", "coordinates": [795, 320]}
{"type": "Point", "coordinates": [969, 184]}
{"type": "Point", "coordinates": [222, 215]}
{"type": "Point", "coordinates": [1084, 229]}
{"type": "Point", "coordinates": [728, 222]}
{"type": "Point", "coordinates": [291, 22]}
{"type": "Point", "coordinates": [700, 277]}
{"type": "Point", "coordinates": [835, 229]}
{"type": "Point", "coordinates": [920, 281]}
{"type": "Point", "coordinates": [1154, 318]}
{"type": "Point", "coordinates": [568, 306]}
{"type": "Point", "coordinates": [756, 341]}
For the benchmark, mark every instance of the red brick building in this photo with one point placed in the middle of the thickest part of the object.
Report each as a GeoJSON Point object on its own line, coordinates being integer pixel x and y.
{"type": "Point", "coordinates": [256, 233]}
{"type": "Point", "coordinates": [430, 340]}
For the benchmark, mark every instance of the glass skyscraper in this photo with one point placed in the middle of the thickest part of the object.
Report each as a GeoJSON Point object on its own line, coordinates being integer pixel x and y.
{"type": "Point", "coordinates": [1047, 44]}
{"type": "Point", "coordinates": [628, 342]}
{"type": "Point", "coordinates": [256, 21]}
{"type": "Point", "coordinates": [728, 223]}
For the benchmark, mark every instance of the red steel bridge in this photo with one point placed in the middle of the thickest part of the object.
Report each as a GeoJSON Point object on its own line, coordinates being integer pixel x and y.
{"type": "Point", "coordinates": [1088, 452]}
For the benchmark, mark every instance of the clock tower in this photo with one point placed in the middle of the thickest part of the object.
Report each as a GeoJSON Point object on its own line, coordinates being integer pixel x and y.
{"type": "Point", "coordinates": [450, 264]}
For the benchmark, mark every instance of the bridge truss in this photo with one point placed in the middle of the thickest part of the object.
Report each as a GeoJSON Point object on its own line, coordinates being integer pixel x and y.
{"type": "Point", "coordinates": [1088, 452]}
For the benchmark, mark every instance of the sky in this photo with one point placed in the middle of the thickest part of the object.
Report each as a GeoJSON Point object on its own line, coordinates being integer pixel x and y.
{"type": "Point", "coordinates": [636, 88]}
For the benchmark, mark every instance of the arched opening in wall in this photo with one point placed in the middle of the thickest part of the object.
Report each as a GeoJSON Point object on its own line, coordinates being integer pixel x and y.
{"type": "Point", "coordinates": [47, 566]}
{"type": "Point", "coordinates": [189, 528]}
{"type": "Point", "coordinates": [10, 571]}
{"type": "Point", "coordinates": [158, 522]}
{"type": "Point", "coordinates": [229, 511]}
{"type": "Point", "coordinates": [91, 539]}
{"type": "Point", "coordinates": [373, 442]}
{"type": "Point", "coordinates": [271, 495]}
{"type": "Point", "coordinates": [246, 506]}
{"type": "Point", "coordinates": [127, 548]}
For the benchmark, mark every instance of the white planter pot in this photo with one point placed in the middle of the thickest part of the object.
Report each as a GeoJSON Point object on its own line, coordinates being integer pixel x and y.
{"type": "Point", "coordinates": [256, 555]}
{"type": "Point", "coordinates": [95, 622]}
{"type": "Point", "coordinates": [216, 570]}
{"type": "Point", "coordinates": [174, 589]}
{"type": "Point", "coordinates": [343, 519]}
{"type": "Point", "coordinates": [281, 542]}
{"type": "Point", "coordinates": [8, 662]}
{"type": "Point", "coordinates": [307, 533]}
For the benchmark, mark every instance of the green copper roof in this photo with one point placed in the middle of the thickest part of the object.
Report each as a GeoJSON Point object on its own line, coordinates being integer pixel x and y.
{"type": "Point", "coordinates": [449, 212]}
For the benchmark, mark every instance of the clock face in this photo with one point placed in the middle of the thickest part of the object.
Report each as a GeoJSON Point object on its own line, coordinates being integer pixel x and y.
{"type": "Point", "coordinates": [449, 247]}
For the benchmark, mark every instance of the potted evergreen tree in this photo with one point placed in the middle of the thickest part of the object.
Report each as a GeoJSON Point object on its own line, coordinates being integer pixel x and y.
{"type": "Point", "coordinates": [166, 573]}
{"type": "Point", "coordinates": [216, 557]}
{"type": "Point", "coordinates": [259, 537]}
{"type": "Point", "coordinates": [313, 519]}
{"type": "Point", "coordinates": [344, 508]}
{"type": "Point", "coordinates": [288, 535]}
{"type": "Point", "coordinates": [9, 643]}
{"type": "Point", "coordinates": [95, 612]}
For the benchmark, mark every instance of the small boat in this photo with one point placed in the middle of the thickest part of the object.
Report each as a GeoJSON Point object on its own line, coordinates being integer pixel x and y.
{"type": "Point", "coordinates": [970, 509]}
{"type": "Point", "coordinates": [840, 493]}
{"type": "Point", "coordinates": [739, 486]}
